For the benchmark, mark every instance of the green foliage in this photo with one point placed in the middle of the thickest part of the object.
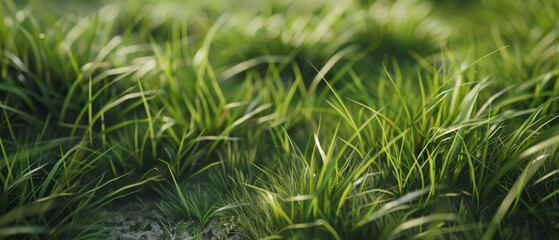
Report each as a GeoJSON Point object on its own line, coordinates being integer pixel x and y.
{"type": "Point", "coordinates": [299, 119]}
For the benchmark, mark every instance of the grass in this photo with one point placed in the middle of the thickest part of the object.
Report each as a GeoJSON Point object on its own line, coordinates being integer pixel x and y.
{"type": "Point", "coordinates": [303, 119]}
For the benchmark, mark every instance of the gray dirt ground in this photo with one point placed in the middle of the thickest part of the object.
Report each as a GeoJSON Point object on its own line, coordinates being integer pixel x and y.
{"type": "Point", "coordinates": [135, 222]}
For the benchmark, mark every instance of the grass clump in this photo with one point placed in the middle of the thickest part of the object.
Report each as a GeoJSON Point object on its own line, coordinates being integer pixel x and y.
{"type": "Point", "coordinates": [303, 119]}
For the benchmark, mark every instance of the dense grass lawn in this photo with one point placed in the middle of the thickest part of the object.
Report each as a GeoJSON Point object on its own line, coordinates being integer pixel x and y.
{"type": "Point", "coordinates": [281, 119]}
